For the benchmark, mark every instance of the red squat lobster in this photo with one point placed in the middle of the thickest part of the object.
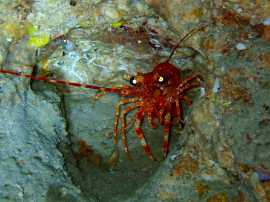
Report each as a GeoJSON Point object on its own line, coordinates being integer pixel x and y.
{"type": "Point", "coordinates": [157, 95]}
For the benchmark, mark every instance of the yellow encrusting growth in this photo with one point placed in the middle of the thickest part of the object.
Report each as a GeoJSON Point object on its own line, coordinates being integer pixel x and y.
{"type": "Point", "coordinates": [31, 29]}
{"type": "Point", "coordinates": [118, 24]}
{"type": "Point", "coordinates": [36, 39]}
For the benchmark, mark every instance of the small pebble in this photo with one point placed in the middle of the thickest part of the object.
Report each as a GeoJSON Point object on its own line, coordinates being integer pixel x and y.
{"type": "Point", "coordinates": [112, 13]}
{"type": "Point", "coordinates": [68, 45]}
{"type": "Point", "coordinates": [241, 46]}
{"type": "Point", "coordinates": [216, 87]}
{"type": "Point", "coordinates": [173, 157]}
{"type": "Point", "coordinates": [266, 21]}
{"type": "Point", "coordinates": [202, 92]}
{"type": "Point", "coordinates": [263, 175]}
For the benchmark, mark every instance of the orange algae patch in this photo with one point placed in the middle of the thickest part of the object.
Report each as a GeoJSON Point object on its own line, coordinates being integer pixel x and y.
{"type": "Point", "coordinates": [186, 165]}
{"type": "Point", "coordinates": [86, 152]}
{"type": "Point", "coordinates": [263, 191]}
{"type": "Point", "coordinates": [232, 19]}
{"type": "Point", "coordinates": [265, 58]}
{"type": "Point", "coordinates": [221, 45]}
{"type": "Point", "coordinates": [208, 44]}
{"type": "Point", "coordinates": [225, 156]}
{"type": "Point", "coordinates": [221, 197]}
{"type": "Point", "coordinates": [201, 189]}
{"type": "Point", "coordinates": [245, 168]}
{"type": "Point", "coordinates": [240, 198]}
{"type": "Point", "coordinates": [263, 30]}
{"type": "Point", "coordinates": [14, 30]}
{"type": "Point", "coordinates": [266, 187]}
{"type": "Point", "coordinates": [230, 89]}
{"type": "Point", "coordinates": [218, 45]}
{"type": "Point", "coordinates": [155, 3]}
{"type": "Point", "coordinates": [261, 194]}
{"type": "Point", "coordinates": [193, 14]}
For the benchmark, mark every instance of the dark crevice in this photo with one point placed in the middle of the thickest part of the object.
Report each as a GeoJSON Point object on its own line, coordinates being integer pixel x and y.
{"type": "Point", "coordinates": [73, 2]}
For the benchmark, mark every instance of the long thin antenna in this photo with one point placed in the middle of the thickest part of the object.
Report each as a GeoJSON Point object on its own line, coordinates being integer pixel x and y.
{"type": "Point", "coordinates": [59, 81]}
{"type": "Point", "coordinates": [188, 35]}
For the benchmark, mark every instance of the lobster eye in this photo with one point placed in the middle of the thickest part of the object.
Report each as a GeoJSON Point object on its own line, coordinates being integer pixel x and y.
{"type": "Point", "coordinates": [160, 79]}
{"type": "Point", "coordinates": [133, 81]}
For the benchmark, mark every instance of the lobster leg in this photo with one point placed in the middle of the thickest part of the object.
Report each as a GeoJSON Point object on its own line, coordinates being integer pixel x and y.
{"type": "Point", "coordinates": [186, 84]}
{"type": "Point", "coordinates": [117, 113]}
{"type": "Point", "coordinates": [115, 155]}
{"type": "Point", "coordinates": [179, 112]}
{"type": "Point", "coordinates": [189, 87]}
{"type": "Point", "coordinates": [161, 116]}
{"type": "Point", "coordinates": [166, 131]}
{"type": "Point", "coordinates": [191, 78]}
{"type": "Point", "coordinates": [150, 120]}
{"type": "Point", "coordinates": [124, 127]}
{"type": "Point", "coordinates": [140, 135]}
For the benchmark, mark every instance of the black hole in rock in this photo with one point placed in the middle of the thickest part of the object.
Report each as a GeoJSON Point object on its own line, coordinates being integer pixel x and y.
{"type": "Point", "coordinates": [73, 2]}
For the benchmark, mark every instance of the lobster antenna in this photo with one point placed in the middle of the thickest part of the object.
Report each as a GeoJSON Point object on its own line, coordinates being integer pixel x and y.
{"type": "Point", "coordinates": [188, 35]}
{"type": "Point", "coordinates": [59, 81]}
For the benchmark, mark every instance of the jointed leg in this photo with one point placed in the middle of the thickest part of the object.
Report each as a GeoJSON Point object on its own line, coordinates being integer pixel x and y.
{"type": "Point", "coordinates": [161, 116]}
{"type": "Point", "coordinates": [140, 135]}
{"type": "Point", "coordinates": [123, 127]}
{"type": "Point", "coordinates": [179, 112]}
{"type": "Point", "coordinates": [187, 87]}
{"type": "Point", "coordinates": [115, 155]}
{"type": "Point", "coordinates": [150, 120]}
{"type": "Point", "coordinates": [187, 83]}
{"type": "Point", "coordinates": [166, 131]}
{"type": "Point", "coordinates": [191, 78]}
{"type": "Point", "coordinates": [117, 113]}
